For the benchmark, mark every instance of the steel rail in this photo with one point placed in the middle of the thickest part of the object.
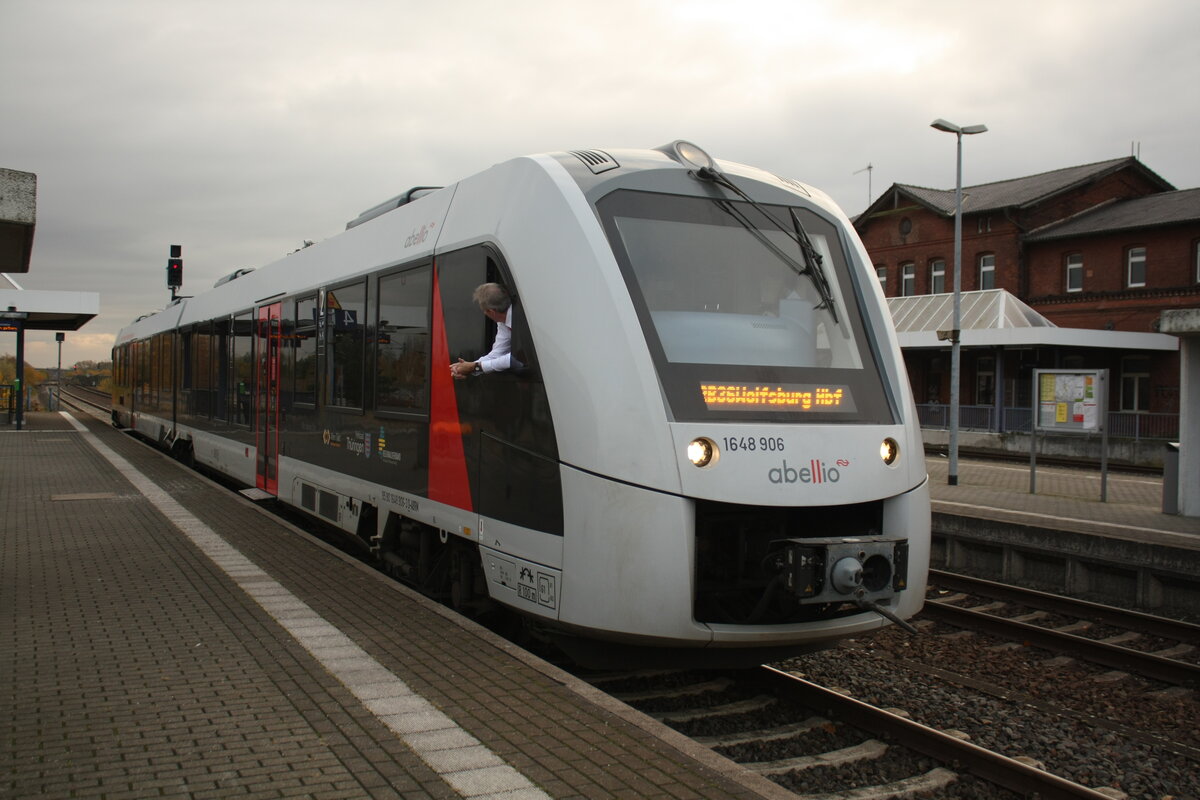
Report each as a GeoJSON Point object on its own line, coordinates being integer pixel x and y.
{"type": "Point", "coordinates": [961, 755]}
{"type": "Point", "coordinates": [1149, 665]}
{"type": "Point", "coordinates": [1149, 624]}
{"type": "Point", "coordinates": [69, 393]}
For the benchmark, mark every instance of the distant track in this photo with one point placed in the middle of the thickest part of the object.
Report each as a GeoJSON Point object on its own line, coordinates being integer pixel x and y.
{"type": "Point", "coordinates": [87, 399]}
{"type": "Point", "coordinates": [1064, 637]}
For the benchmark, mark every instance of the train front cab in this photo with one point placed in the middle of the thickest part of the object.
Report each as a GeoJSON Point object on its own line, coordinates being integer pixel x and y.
{"type": "Point", "coordinates": [795, 501]}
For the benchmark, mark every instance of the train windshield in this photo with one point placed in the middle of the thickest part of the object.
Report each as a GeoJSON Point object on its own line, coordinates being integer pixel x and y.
{"type": "Point", "coordinates": [747, 316]}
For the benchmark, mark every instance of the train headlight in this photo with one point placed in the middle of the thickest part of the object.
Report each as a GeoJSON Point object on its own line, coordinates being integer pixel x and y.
{"type": "Point", "coordinates": [889, 451]}
{"type": "Point", "coordinates": [702, 452]}
{"type": "Point", "coordinates": [691, 155]}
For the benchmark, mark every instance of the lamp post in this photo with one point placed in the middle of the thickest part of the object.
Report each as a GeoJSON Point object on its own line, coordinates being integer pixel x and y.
{"type": "Point", "coordinates": [58, 337]}
{"type": "Point", "coordinates": [955, 356]}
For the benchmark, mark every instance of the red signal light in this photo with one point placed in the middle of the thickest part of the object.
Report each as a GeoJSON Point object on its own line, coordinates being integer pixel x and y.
{"type": "Point", "coordinates": [174, 272]}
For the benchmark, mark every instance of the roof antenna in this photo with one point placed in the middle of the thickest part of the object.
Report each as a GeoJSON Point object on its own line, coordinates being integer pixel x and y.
{"type": "Point", "coordinates": [1135, 150]}
{"type": "Point", "coordinates": [867, 169]}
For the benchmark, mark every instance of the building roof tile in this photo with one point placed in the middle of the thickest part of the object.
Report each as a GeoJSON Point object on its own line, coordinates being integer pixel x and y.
{"type": "Point", "coordinates": [1019, 191]}
{"type": "Point", "coordinates": [1166, 208]}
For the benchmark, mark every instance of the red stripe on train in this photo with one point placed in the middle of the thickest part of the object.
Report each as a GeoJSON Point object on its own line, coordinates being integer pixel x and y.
{"type": "Point", "coordinates": [447, 461]}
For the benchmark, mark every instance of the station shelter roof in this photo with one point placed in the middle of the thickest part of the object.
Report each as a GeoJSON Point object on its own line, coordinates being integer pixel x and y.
{"type": "Point", "coordinates": [18, 217]}
{"type": "Point", "coordinates": [51, 311]}
{"type": "Point", "coordinates": [996, 318]}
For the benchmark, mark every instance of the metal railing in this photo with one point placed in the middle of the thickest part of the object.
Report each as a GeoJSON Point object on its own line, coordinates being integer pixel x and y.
{"type": "Point", "coordinates": [1121, 424]}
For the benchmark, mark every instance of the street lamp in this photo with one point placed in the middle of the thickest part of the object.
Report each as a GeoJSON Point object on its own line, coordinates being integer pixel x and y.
{"type": "Point", "coordinates": [950, 127]}
{"type": "Point", "coordinates": [58, 337]}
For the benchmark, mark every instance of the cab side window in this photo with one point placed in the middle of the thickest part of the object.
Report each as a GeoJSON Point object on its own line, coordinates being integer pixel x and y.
{"type": "Point", "coordinates": [402, 339]}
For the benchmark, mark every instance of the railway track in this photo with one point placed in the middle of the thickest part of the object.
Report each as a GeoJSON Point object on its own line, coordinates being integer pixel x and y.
{"type": "Point", "coordinates": [819, 743]}
{"type": "Point", "coordinates": [87, 399]}
{"type": "Point", "coordinates": [1130, 737]}
{"type": "Point", "coordinates": [1155, 647]}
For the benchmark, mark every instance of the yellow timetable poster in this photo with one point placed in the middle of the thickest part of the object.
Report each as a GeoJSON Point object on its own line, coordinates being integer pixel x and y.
{"type": "Point", "coordinates": [1068, 400]}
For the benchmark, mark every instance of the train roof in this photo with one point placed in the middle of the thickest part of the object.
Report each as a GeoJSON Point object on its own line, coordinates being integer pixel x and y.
{"type": "Point", "coordinates": [414, 219]}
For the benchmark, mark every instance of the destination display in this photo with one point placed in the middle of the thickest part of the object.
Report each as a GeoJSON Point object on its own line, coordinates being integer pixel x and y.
{"type": "Point", "coordinates": [803, 397]}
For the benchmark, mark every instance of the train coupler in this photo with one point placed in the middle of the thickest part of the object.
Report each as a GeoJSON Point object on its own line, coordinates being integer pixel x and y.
{"type": "Point", "coordinates": [852, 569]}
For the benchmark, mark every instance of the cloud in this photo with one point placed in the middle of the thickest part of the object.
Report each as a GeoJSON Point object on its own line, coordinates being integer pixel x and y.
{"type": "Point", "coordinates": [240, 129]}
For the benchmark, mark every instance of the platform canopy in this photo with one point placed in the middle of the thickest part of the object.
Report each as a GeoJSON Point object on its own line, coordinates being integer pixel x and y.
{"type": "Point", "coordinates": [997, 318]}
{"type": "Point", "coordinates": [51, 311]}
{"type": "Point", "coordinates": [18, 213]}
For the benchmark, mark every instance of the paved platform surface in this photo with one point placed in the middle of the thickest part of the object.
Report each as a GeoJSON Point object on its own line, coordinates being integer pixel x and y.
{"type": "Point", "coordinates": [1066, 499]}
{"type": "Point", "coordinates": [164, 638]}
{"type": "Point", "coordinates": [168, 639]}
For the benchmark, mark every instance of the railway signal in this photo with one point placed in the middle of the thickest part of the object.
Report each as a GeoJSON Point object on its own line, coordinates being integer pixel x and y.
{"type": "Point", "coordinates": [175, 269]}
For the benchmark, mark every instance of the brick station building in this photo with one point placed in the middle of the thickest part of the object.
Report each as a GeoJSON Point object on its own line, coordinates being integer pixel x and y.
{"type": "Point", "coordinates": [1088, 256]}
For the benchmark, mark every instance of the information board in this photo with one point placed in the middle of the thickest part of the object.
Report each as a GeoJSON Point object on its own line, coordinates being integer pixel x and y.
{"type": "Point", "coordinates": [1070, 401]}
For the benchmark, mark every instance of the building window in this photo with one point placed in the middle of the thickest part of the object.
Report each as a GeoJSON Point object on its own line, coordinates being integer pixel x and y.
{"type": "Point", "coordinates": [985, 381]}
{"type": "Point", "coordinates": [1136, 267]}
{"type": "Point", "coordinates": [937, 277]}
{"type": "Point", "coordinates": [1075, 272]}
{"type": "Point", "coordinates": [908, 279]}
{"type": "Point", "coordinates": [983, 225]}
{"type": "Point", "coordinates": [1197, 262]}
{"type": "Point", "coordinates": [881, 274]}
{"type": "Point", "coordinates": [987, 271]}
{"type": "Point", "coordinates": [1135, 383]}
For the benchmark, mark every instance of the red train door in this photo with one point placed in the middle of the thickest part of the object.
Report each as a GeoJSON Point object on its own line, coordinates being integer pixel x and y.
{"type": "Point", "coordinates": [266, 405]}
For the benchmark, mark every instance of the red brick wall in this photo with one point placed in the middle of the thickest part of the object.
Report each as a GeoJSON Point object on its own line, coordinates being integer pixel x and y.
{"type": "Point", "coordinates": [932, 238]}
{"type": "Point", "coordinates": [1170, 260]}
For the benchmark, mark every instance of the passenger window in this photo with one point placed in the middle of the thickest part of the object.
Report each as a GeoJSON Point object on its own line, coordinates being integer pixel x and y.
{"type": "Point", "coordinates": [402, 334]}
{"type": "Point", "coordinates": [345, 316]}
{"type": "Point", "coordinates": [304, 351]}
{"type": "Point", "coordinates": [243, 366]}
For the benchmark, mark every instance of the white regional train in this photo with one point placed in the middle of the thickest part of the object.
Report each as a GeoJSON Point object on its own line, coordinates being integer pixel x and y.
{"type": "Point", "coordinates": [706, 442]}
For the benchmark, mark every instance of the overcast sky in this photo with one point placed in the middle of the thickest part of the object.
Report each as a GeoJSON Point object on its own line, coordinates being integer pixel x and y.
{"type": "Point", "coordinates": [239, 129]}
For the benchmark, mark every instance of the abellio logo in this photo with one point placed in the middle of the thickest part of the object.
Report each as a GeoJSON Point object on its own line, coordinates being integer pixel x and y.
{"type": "Point", "coordinates": [418, 237]}
{"type": "Point", "coordinates": [815, 472]}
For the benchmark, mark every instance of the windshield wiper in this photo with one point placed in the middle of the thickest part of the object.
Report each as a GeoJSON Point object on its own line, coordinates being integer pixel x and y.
{"type": "Point", "coordinates": [812, 268]}
{"type": "Point", "coordinates": [815, 273]}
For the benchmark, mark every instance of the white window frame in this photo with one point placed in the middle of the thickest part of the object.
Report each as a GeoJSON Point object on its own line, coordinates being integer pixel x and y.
{"type": "Point", "coordinates": [881, 274]}
{"type": "Point", "coordinates": [985, 378]}
{"type": "Point", "coordinates": [1133, 380]}
{"type": "Point", "coordinates": [937, 276]}
{"type": "Point", "coordinates": [987, 266]}
{"type": "Point", "coordinates": [1135, 256]}
{"type": "Point", "coordinates": [908, 279]}
{"type": "Point", "coordinates": [1074, 268]}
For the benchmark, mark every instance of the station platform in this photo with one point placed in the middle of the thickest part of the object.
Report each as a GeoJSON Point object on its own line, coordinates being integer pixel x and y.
{"type": "Point", "coordinates": [1067, 499]}
{"type": "Point", "coordinates": [1063, 537]}
{"type": "Point", "coordinates": [164, 637]}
